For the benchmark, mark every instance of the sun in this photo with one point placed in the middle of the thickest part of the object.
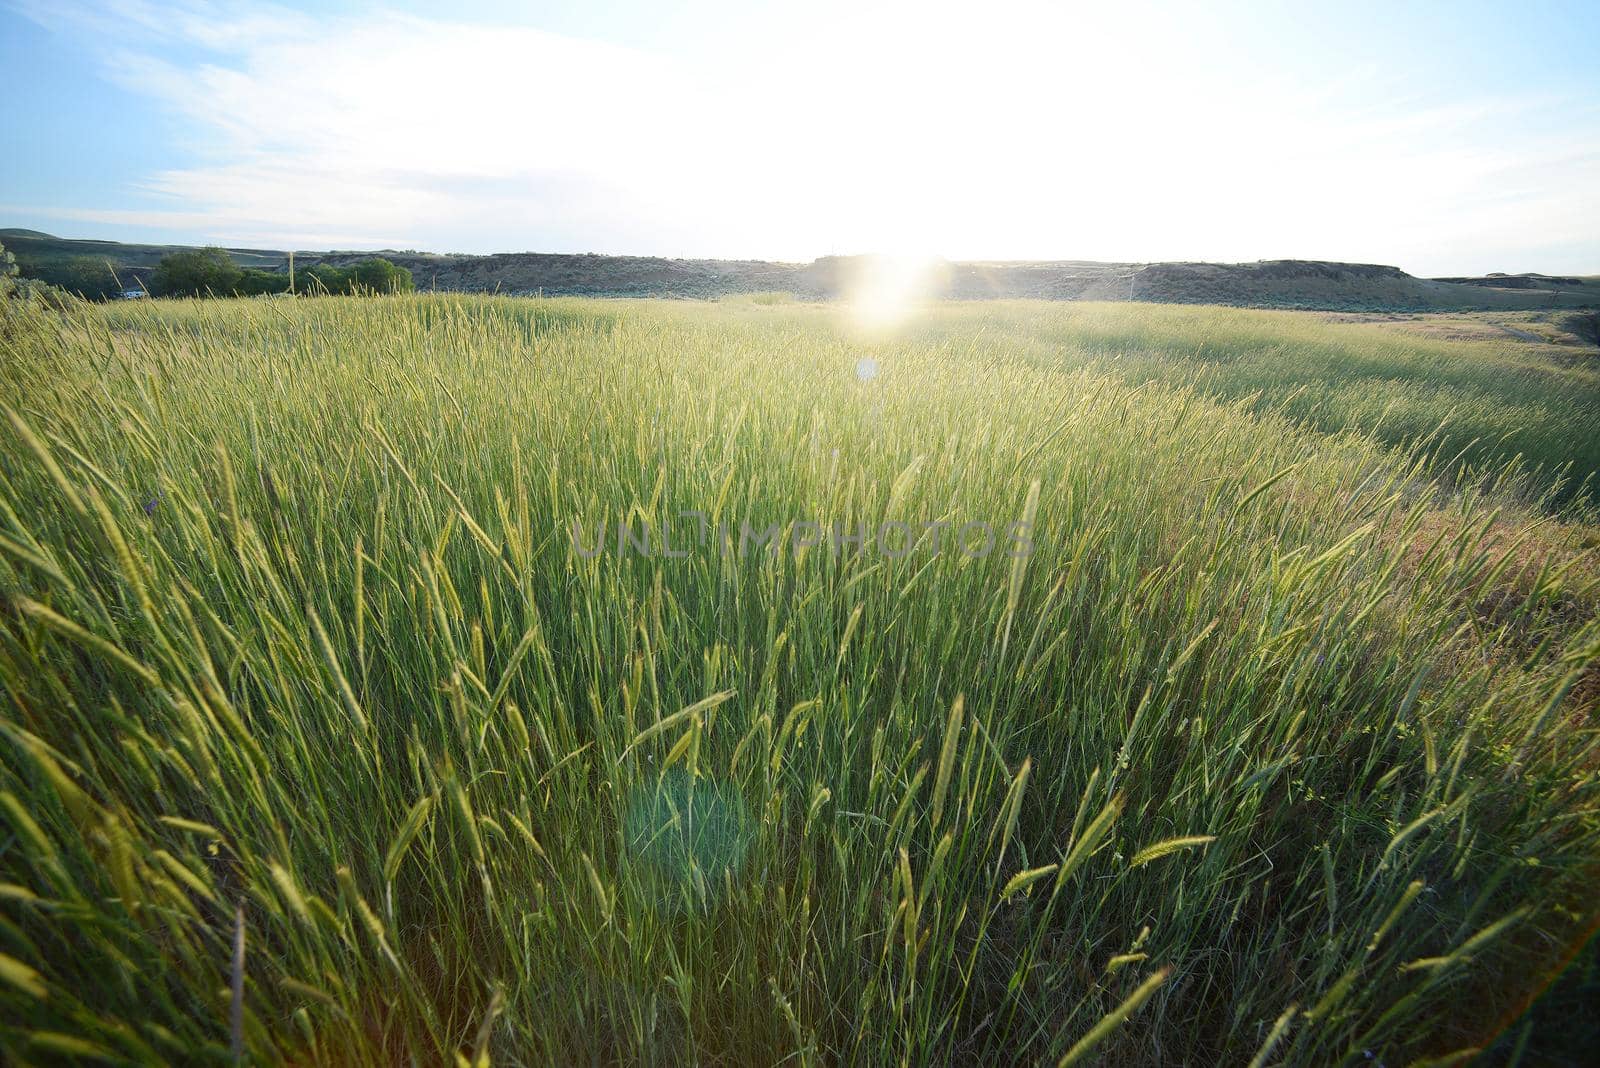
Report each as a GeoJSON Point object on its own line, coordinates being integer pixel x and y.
{"type": "Point", "coordinates": [883, 292]}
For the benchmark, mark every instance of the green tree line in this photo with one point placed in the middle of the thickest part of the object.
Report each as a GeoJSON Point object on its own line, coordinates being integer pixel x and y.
{"type": "Point", "coordinates": [212, 272]}
{"type": "Point", "coordinates": [209, 272]}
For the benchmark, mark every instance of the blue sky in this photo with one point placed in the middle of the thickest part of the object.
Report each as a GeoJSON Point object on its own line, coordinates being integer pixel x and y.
{"type": "Point", "coordinates": [1444, 138]}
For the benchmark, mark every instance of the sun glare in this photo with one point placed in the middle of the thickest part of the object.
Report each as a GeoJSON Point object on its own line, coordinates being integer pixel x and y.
{"type": "Point", "coordinates": [883, 292]}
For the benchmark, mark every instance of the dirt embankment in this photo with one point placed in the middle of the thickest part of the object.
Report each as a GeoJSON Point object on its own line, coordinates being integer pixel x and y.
{"type": "Point", "coordinates": [1518, 281]}
{"type": "Point", "coordinates": [1348, 286]}
{"type": "Point", "coordinates": [593, 275]}
{"type": "Point", "coordinates": [1309, 284]}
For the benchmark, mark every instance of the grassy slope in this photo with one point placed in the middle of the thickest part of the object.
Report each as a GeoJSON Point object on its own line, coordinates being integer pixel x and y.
{"type": "Point", "coordinates": [37, 247]}
{"type": "Point", "coordinates": [1478, 406]}
{"type": "Point", "coordinates": [291, 622]}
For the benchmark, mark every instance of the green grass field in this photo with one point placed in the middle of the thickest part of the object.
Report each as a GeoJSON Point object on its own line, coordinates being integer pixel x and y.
{"type": "Point", "coordinates": [1277, 748]}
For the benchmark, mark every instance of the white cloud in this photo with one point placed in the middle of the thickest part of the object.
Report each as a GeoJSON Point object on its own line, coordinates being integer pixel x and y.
{"type": "Point", "coordinates": [1023, 132]}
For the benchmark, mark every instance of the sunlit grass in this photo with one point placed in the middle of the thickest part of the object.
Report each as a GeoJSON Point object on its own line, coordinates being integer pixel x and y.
{"type": "Point", "coordinates": [1271, 747]}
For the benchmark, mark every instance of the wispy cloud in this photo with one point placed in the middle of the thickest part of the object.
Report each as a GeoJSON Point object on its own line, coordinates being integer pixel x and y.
{"type": "Point", "coordinates": [363, 127]}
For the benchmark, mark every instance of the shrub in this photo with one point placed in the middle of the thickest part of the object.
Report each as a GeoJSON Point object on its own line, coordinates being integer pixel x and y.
{"type": "Point", "coordinates": [326, 280]}
{"type": "Point", "coordinates": [376, 275]}
{"type": "Point", "coordinates": [196, 273]}
{"type": "Point", "coordinates": [33, 289]}
{"type": "Point", "coordinates": [8, 269]}
{"type": "Point", "coordinates": [13, 288]}
{"type": "Point", "coordinates": [380, 276]}
{"type": "Point", "coordinates": [255, 283]}
{"type": "Point", "coordinates": [89, 277]}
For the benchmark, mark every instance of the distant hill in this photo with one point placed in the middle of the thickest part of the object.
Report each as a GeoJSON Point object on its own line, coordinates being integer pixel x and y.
{"type": "Point", "coordinates": [1352, 286]}
{"type": "Point", "coordinates": [133, 263]}
{"type": "Point", "coordinates": [1269, 283]}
